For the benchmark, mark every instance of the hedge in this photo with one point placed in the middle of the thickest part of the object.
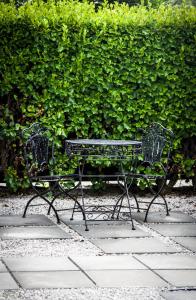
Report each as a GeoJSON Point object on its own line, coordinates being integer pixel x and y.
{"type": "Point", "coordinates": [96, 74]}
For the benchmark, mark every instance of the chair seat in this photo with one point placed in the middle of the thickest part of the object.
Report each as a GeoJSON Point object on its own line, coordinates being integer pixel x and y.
{"type": "Point", "coordinates": [146, 176]}
{"type": "Point", "coordinates": [53, 178]}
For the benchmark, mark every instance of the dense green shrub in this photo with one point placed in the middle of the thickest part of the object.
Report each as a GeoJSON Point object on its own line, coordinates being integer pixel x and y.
{"type": "Point", "coordinates": [95, 74]}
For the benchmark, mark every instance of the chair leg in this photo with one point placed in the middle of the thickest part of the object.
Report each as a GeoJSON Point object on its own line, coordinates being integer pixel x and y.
{"type": "Point", "coordinates": [116, 205]}
{"type": "Point", "coordinates": [166, 205]}
{"type": "Point", "coordinates": [46, 200]}
{"type": "Point", "coordinates": [135, 198]}
{"type": "Point", "coordinates": [128, 201]}
{"type": "Point", "coordinates": [125, 193]}
{"type": "Point", "coordinates": [84, 215]}
{"type": "Point", "coordinates": [137, 204]}
{"type": "Point", "coordinates": [120, 206]}
{"type": "Point", "coordinates": [76, 202]}
{"type": "Point", "coordinates": [61, 192]}
{"type": "Point", "coordinates": [55, 211]}
{"type": "Point", "coordinates": [73, 210]}
{"type": "Point", "coordinates": [27, 205]}
{"type": "Point", "coordinates": [158, 194]}
{"type": "Point", "coordinates": [147, 211]}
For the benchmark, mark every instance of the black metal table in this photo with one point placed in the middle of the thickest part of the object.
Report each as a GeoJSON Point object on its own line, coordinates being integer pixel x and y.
{"type": "Point", "coordinates": [120, 151]}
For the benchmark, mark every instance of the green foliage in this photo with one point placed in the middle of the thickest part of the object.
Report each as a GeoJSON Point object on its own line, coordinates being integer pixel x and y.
{"type": "Point", "coordinates": [96, 74]}
{"type": "Point", "coordinates": [14, 182]}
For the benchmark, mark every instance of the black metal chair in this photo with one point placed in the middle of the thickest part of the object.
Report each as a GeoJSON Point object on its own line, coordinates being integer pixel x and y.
{"type": "Point", "coordinates": [156, 147]}
{"type": "Point", "coordinates": [40, 167]}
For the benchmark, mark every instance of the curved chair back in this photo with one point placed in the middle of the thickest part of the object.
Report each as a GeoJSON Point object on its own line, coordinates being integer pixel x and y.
{"type": "Point", "coordinates": [156, 140]}
{"type": "Point", "coordinates": [38, 150]}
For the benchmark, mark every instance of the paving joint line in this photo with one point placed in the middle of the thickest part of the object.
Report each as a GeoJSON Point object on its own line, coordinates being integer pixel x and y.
{"type": "Point", "coordinates": [183, 247]}
{"type": "Point", "coordinates": [82, 270]}
{"type": "Point", "coordinates": [152, 270]}
{"type": "Point", "coordinates": [183, 289]}
{"type": "Point", "coordinates": [11, 274]}
{"type": "Point", "coordinates": [159, 236]}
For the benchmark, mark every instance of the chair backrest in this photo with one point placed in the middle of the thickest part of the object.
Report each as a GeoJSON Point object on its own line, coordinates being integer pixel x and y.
{"type": "Point", "coordinates": [38, 150]}
{"type": "Point", "coordinates": [155, 140]}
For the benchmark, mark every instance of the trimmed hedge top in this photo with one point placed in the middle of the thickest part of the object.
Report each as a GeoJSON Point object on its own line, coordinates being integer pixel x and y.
{"type": "Point", "coordinates": [67, 11]}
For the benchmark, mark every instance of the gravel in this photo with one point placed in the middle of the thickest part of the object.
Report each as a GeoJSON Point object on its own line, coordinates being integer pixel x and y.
{"type": "Point", "coordinates": [84, 294]}
{"type": "Point", "coordinates": [79, 245]}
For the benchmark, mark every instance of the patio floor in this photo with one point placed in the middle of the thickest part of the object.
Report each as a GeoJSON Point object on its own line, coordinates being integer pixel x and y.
{"type": "Point", "coordinates": [130, 258]}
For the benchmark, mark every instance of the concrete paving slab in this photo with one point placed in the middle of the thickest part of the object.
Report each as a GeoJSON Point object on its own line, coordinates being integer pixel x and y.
{"type": "Point", "coordinates": [175, 229]}
{"type": "Point", "coordinates": [58, 279]}
{"type": "Point", "coordinates": [52, 232]}
{"type": "Point", "coordinates": [169, 261]}
{"type": "Point", "coordinates": [110, 231]}
{"type": "Point", "coordinates": [29, 264]}
{"type": "Point", "coordinates": [187, 242]}
{"type": "Point", "coordinates": [7, 282]}
{"type": "Point", "coordinates": [161, 217]}
{"type": "Point", "coordinates": [126, 278]}
{"type": "Point", "coordinates": [2, 267]}
{"type": "Point", "coordinates": [30, 220]}
{"type": "Point", "coordinates": [134, 245]}
{"type": "Point", "coordinates": [179, 295]}
{"type": "Point", "coordinates": [179, 278]}
{"type": "Point", "coordinates": [109, 262]}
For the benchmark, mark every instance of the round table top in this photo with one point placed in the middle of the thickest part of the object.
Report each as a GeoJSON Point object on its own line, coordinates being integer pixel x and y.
{"type": "Point", "coordinates": [104, 142]}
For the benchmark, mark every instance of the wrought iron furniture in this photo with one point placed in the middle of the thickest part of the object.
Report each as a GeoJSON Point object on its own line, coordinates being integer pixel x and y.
{"type": "Point", "coordinates": [118, 151]}
{"type": "Point", "coordinates": [156, 147]}
{"type": "Point", "coordinates": [40, 167]}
